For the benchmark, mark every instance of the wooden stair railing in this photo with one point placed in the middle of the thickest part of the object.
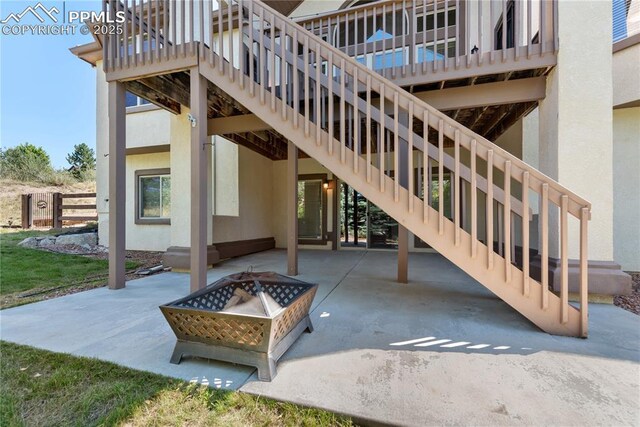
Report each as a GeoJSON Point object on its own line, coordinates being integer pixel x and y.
{"type": "Point", "coordinates": [388, 145]}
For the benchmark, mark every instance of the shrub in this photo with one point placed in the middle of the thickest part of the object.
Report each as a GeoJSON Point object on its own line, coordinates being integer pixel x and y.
{"type": "Point", "coordinates": [25, 162]}
{"type": "Point", "coordinates": [58, 178]}
{"type": "Point", "coordinates": [87, 175]}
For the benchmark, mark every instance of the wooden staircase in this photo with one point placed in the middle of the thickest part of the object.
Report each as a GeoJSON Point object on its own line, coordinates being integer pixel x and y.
{"type": "Point", "coordinates": [384, 143]}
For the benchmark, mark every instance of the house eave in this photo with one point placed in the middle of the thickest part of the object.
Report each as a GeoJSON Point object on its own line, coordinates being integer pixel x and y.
{"type": "Point", "coordinates": [89, 52]}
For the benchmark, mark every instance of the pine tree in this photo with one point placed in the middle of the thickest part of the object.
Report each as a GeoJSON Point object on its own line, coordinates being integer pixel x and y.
{"type": "Point", "coordinates": [81, 159]}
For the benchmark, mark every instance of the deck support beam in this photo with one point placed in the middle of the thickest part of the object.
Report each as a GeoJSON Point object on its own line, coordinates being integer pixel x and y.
{"type": "Point", "coordinates": [117, 184]}
{"type": "Point", "coordinates": [292, 209]}
{"type": "Point", "coordinates": [496, 93]}
{"type": "Point", "coordinates": [199, 181]}
{"type": "Point", "coordinates": [403, 176]}
{"type": "Point", "coordinates": [403, 254]}
{"type": "Point", "coordinates": [236, 124]}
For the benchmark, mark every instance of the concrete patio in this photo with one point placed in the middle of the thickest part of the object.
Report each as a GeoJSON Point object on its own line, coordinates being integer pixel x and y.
{"type": "Point", "coordinates": [440, 350]}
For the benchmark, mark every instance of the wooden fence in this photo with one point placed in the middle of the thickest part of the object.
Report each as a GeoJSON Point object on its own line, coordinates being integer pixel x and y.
{"type": "Point", "coordinates": [48, 209]}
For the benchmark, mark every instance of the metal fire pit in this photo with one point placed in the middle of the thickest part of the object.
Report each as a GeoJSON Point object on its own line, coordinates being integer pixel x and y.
{"type": "Point", "coordinates": [204, 330]}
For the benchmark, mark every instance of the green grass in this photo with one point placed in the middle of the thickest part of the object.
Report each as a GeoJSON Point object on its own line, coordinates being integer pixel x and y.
{"type": "Point", "coordinates": [41, 388]}
{"type": "Point", "coordinates": [23, 269]}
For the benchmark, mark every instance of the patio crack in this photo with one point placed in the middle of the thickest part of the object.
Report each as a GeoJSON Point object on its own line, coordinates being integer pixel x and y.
{"type": "Point", "coordinates": [357, 263]}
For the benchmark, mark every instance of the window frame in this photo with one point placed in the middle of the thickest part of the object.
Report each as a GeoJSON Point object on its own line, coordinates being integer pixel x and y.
{"type": "Point", "coordinates": [510, 28]}
{"type": "Point", "coordinates": [324, 204]}
{"type": "Point", "coordinates": [137, 194]}
{"type": "Point", "coordinates": [141, 105]}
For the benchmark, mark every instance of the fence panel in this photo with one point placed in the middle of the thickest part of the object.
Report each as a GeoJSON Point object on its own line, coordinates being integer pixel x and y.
{"type": "Point", "coordinates": [47, 209]}
{"type": "Point", "coordinates": [42, 209]}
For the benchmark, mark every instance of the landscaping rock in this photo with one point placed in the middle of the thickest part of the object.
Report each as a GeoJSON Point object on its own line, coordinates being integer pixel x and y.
{"type": "Point", "coordinates": [29, 242]}
{"type": "Point", "coordinates": [47, 241]}
{"type": "Point", "coordinates": [90, 239]}
{"type": "Point", "coordinates": [75, 243]}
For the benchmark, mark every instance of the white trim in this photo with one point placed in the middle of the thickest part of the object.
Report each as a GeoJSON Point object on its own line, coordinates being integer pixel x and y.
{"type": "Point", "coordinates": [141, 108]}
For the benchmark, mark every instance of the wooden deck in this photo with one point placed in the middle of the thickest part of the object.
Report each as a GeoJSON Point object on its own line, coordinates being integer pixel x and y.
{"type": "Point", "coordinates": [157, 70]}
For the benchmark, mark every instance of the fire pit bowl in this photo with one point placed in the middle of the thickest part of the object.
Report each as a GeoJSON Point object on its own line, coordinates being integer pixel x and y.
{"type": "Point", "coordinates": [245, 318]}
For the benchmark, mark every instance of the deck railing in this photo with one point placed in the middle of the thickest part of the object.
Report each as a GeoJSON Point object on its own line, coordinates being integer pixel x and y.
{"type": "Point", "coordinates": [404, 37]}
{"type": "Point", "coordinates": [393, 37]}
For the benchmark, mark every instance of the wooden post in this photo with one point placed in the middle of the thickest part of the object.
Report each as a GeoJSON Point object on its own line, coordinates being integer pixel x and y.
{"type": "Point", "coordinates": [199, 184]}
{"type": "Point", "coordinates": [57, 210]}
{"type": "Point", "coordinates": [292, 209]}
{"type": "Point", "coordinates": [584, 288]}
{"type": "Point", "coordinates": [26, 211]}
{"type": "Point", "coordinates": [355, 217]}
{"type": "Point", "coordinates": [117, 185]}
{"type": "Point", "coordinates": [403, 254]}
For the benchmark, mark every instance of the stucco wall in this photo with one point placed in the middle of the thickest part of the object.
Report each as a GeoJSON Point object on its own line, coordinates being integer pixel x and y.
{"type": "Point", "coordinates": [576, 122]}
{"type": "Point", "coordinates": [255, 183]}
{"type": "Point", "coordinates": [531, 156]}
{"type": "Point", "coordinates": [144, 237]}
{"type": "Point", "coordinates": [148, 128]}
{"type": "Point", "coordinates": [626, 188]}
{"type": "Point", "coordinates": [225, 177]}
{"type": "Point", "coordinates": [530, 137]}
{"type": "Point", "coordinates": [633, 18]}
{"type": "Point", "coordinates": [180, 140]}
{"type": "Point", "coordinates": [626, 72]}
{"type": "Point", "coordinates": [102, 162]}
{"type": "Point", "coordinates": [180, 180]}
{"type": "Point", "coordinates": [142, 129]}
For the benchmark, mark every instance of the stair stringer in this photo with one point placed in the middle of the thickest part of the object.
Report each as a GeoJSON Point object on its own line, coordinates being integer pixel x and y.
{"type": "Point", "coordinates": [494, 279]}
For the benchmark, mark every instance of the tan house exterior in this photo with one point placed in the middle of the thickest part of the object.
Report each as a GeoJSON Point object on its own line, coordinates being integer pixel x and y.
{"type": "Point", "coordinates": [249, 163]}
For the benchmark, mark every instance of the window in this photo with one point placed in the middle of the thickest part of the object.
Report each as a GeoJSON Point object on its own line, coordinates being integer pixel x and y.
{"type": "Point", "coordinates": [620, 11]}
{"type": "Point", "coordinates": [311, 209]}
{"type": "Point", "coordinates": [421, 20]}
{"type": "Point", "coordinates": [426, 54]}
{"type": "Point", "coordinates": [153, 196]}
{"type": "Point", "coordinates": [510, 35]}
{"type": "Point", "coordinates": [132, 100]}
{"type": "Point", "coordinates": [378, 28]}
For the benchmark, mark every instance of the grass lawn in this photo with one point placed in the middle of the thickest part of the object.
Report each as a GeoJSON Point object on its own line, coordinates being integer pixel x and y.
{"type": "Point", "coordinates": [38, 387]}
{"type": "Point", "coordinates": [24, 269]}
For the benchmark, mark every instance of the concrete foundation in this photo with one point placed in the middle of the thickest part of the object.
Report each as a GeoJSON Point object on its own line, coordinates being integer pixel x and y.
{"type": "Point", "coordinates": [179, 257]}
{"type": "Point", "coordinates": [605, 277]}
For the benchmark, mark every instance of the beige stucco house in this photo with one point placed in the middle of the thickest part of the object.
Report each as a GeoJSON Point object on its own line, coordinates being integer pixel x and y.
{"type": "Point", "coordinates": [225, 128]}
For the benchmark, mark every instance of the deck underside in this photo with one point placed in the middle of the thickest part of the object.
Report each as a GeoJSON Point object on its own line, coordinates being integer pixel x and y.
{"type": "Point", "coordinates": [169, 89]}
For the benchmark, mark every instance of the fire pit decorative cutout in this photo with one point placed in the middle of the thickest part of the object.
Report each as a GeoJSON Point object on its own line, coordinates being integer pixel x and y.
{"type": "Point", "coordinates": [246, 318]}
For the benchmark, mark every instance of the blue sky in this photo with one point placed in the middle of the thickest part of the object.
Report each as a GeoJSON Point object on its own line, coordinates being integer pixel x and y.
{"type": "Point", "coordinates": [47, 95]}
